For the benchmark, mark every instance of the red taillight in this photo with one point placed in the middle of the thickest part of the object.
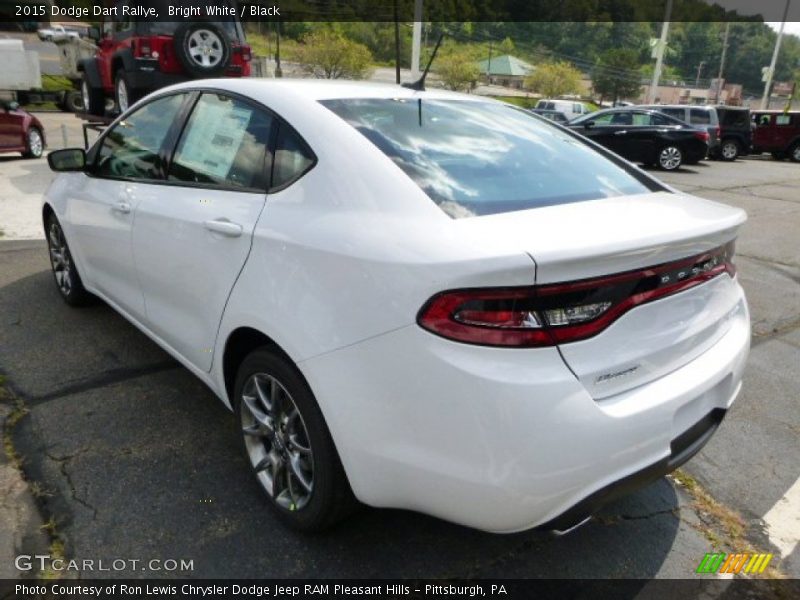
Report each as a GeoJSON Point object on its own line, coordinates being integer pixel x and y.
{"type": "Point", "coordinates": [701, 135]}
{"type": "Point", "coordinates": [142, 48]}
{"type": "Point", "coordinates": [719, 133]}
{"type": "Point", "coordinates": [547, 315]}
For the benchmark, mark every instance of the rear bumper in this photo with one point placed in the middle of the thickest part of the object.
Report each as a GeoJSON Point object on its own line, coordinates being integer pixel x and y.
{"type": "Point", "coordinates": [508, 439]}
{"type": "Point", "coordinates": [147, 75]}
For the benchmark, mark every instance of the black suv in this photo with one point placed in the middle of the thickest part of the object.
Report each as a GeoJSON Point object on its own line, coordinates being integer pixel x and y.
{"type": "Point", "coordinates": [735, 132]}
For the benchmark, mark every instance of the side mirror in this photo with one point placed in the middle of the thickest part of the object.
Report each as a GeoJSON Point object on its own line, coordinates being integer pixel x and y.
{"type": "Point", "coordinates": [94, 34]}
{"type": "Point", "coordinates": [588, 124]}
{"type": "Point", "coordinates": [69, 159]}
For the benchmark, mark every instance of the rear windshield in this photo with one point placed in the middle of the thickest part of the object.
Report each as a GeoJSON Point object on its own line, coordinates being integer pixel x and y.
{"type": "Point", "coordinates": [480, 158]}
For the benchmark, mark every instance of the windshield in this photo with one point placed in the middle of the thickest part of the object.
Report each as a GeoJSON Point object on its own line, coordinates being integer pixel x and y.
{"type": "Point", "coordinates": [481, 158]}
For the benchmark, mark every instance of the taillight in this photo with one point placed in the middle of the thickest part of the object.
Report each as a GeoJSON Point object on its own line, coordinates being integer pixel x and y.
{"type": "Point", "coordinates": [547, 315]}
{"type": "Point", "coordinates": [701, 135]}
{"type": "Point", "coordinates": [718, 132]}
{"type": "Point", "coordinates": [142, 48]}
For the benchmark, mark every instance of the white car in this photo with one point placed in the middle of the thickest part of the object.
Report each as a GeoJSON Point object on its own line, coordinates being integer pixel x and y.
{"type": "Point", "coordinates": [571, 108]}
{"type": "Point", "coordinates": [57, 33]}
{"type": "Point", "coordinates": [418, 300]}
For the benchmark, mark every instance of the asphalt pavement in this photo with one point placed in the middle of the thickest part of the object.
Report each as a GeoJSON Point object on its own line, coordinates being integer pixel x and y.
{"type": "Point", "coordinates": [138, 460]}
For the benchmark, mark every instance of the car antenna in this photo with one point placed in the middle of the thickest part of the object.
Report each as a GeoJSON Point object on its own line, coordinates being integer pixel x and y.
{"type": "Point", "coordinates": [419, 84]}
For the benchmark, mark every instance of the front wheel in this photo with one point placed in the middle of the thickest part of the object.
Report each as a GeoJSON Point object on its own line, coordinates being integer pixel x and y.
{"type": "Point", "coordinates": [35, 144]}
{"type": "Point", "coordinates": [729, 150]}
{"type": "Point", "coordinates": [670, 158]}
{"type": "Point", "coordinates": [288, 443]}
{"type": "Point", "coordinates": [65, 272]}
{"type": "Point", "coordinates": [794, 153]}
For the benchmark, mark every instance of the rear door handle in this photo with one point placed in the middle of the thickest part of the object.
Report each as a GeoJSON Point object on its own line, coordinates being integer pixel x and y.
{"type": "Point", "coordinates": [122, 207]}
{"type": "Point", "coordinates": [224, 227]}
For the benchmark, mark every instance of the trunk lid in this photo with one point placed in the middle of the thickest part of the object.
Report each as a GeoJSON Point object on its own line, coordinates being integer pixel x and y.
{"type": "Point", "coordinates": [583, 240]}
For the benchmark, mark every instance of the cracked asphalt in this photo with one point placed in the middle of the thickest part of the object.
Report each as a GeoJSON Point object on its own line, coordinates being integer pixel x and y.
{"type": "Point", "coordinates": [139, 461]}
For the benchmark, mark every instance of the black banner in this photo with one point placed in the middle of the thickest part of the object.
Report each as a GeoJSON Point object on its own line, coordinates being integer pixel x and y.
{"type": "Point", "coordinates": [391, 10]}
{"type": "Point", "coordinates": [314, 589]}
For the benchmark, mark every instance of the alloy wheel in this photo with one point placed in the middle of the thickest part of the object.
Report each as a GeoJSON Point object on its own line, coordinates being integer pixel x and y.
{"type": "Point", "coordinates": [205, 48]}
{"type": "Point", "coordinates": [670, 158]}
{"type": "Point", "coordinates": [277, 441]}
{"type": "Point", "coordinates": [122, 95]}
{"type": "Point", "coordinates": [730, 150]}
{"type": "Point", "coordinates": [85, 95]}
{"type": "Point", "coordinates": [35, 144]}
{"type": "Point", "coordinates": [796, 153]}
{"type": "Point", "coordinates": [60, 258]}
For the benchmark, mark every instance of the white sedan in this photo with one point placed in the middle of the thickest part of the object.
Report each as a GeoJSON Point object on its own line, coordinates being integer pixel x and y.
{"type": "Point", "coordinates": [418, 300]}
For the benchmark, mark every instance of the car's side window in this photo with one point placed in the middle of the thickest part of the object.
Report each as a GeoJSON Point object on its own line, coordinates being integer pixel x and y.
{"type": "Point", "coordinates": [783, 119]}
{"type": "Point", "coordinates": [293, 158]}
{"type": "Point", "coordinates": [131, 149]}
{"type": "Point", "coordinates": [699, 117]}
{"type": "Point", "coordinates": [678, 113]}
{"type": "Point", "coordinates": [603, 119]}
{"type": "Point", "coordinates": [225, 143]}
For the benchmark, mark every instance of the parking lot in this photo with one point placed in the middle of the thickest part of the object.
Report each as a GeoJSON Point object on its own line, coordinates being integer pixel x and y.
{"type": "Point", "coordinates": [134, 458]}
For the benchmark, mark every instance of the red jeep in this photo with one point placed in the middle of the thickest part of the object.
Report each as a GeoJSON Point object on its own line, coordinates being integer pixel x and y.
{"type": "Point", "coordinates": [136, 57]}
{"type": "Point", "coordinates": [777, 132]}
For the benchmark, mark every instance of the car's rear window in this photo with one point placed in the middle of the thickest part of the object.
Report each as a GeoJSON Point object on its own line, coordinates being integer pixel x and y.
{"type": "Point", "coordinates": [481, 158]}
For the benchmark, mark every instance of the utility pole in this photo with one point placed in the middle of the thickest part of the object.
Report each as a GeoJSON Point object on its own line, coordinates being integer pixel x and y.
{"type": "Point", "coordinates": [722, 61]}
{"type": "Point", "coordinates": [699, 71]}
{"type": "Point", "coordinates": [416, 40]}
{"type": "Point", "coordinates": [278, 70]}
{"type": "Point", "coordinates": [662, 44]}
{"type": "Point", "coordinates": [396, 45]}
{"type": "Point", "coordinates": [771, 71]}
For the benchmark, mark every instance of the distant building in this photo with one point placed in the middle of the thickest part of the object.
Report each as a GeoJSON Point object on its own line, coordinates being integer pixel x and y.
{"type": "Point", "coordinates": [505, 70]}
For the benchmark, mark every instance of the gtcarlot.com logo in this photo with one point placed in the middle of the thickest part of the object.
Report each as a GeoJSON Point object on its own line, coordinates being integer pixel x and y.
{"type": "Point", "coordinates": [42, 562]}
{"type": "Point", "coordinates": [734, 563]}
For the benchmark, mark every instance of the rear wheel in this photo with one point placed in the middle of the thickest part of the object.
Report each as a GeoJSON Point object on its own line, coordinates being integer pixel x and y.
{"type": "Point", "coordinates": [794, 152]}
{"type": "Point", "coordinates": [35, 144]}
{"type": "Point", "coordinates": [94, 101]}
{"type": "Point", "coordinates": [778, 155]}
{"type": "Point", "coordinates": [729, 150]}
{"type": "Point", "coordinates": [670, 158]}
{"type": "Point", "coordinates": [124, 95]}
{"type": "Point", "coordinates": [65, 272]}
{"type": "Point", "coordinates": [288, 443]}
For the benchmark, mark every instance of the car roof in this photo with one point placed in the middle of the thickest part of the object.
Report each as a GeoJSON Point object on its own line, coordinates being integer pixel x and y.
{"type": "Point", "coordinates": [321, 89]}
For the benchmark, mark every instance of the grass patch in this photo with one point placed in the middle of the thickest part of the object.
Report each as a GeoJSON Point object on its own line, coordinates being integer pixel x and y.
{"type": "Point", "coordinates": [723, 527]}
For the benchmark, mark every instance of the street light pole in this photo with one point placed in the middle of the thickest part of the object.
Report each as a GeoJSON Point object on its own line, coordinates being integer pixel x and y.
{"type": "Point", "coordinates": [699, 71]}
{"type": "Point", "coordinates": [662, 43]}
{"type": "Point", "coordinates": [416, 40]}
{"type": "Point", "coordinates": [771, 71]}
{"type": "Point", "coordinates": [722, 61]}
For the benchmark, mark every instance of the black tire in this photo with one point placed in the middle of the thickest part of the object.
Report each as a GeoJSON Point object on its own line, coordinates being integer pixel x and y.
{"type": "Point", "coordinates": [729, 150]}
{"type": "Point", "coordinates": [35, 143]}
{"type": "Point", "coordinates": [65, 271]}
{"type": "Point", "coordinates": [93, 99]}
{"type": "Point", "coordinates": [670, 157]}
{"type": "Point", "coordinates": [124, 95]}
{"type": "Point", "coordinates": [794, 152]}
{"type": "Point", "coordinates": [73, 101]}
{"type": "Point", "coordinates": [186, 37]}
{"type": "Point", "coordinates": [330, 499]}
{"type": "Point", "coordinates": [778, 155]}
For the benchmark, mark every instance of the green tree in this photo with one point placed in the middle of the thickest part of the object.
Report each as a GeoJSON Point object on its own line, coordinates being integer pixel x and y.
{"type": "Point", "coordinates": [616, 74]}
{"type": "Point", "coordinates": [329, 55]}
{"type": "Point", "coordinates": [554, 79]}
{"type": "Point", "coordinates": [457, 70]}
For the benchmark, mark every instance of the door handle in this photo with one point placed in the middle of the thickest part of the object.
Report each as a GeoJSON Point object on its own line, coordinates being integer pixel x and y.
{"type": "Point", "coordinates": [122, 207]}
{"type": "Point", "coordinates": [623, 132]}
{"type": "Point", "coordinates": [224, 227]}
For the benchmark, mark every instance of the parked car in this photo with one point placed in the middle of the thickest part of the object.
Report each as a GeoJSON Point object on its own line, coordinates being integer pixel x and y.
{"type": "Point", "coordinates": [735, 132]}
{"type": "Point", "coordinates": [777, 132]}
{"type": "Point", "coordinates": [645, 136]}
{"type": "Point", "coordinates": [136, 57]}
{"type": "Point", "coordinates": [20, 131]}
{"type": "Point", "coordinates": [570, 108]}
{"type": "Point", "coordinates": [553, 115]}
{"type": "Point", "coordinates": [705, 117]}
{"type": "Point", "coordinates": [410, 296]}
{"type": "Point", "coordinates": [56, 33]}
